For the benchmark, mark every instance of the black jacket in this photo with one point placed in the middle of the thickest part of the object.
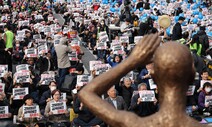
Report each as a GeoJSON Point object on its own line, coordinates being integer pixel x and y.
{"type": "Point", "coordinates": [203, 39]}
{"type": "Point", "coordinates": [177, 32]}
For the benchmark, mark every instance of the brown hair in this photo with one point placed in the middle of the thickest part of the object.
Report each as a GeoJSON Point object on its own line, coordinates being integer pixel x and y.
{"type": "Point", "coordinates": [54, 91]}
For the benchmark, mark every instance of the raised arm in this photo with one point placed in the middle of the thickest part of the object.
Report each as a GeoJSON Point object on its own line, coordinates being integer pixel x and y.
{"type": "Point", "coordinates": [90, 94]}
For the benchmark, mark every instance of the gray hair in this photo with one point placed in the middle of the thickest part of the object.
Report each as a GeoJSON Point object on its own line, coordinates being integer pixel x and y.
{"type": "Point", "coordinates": [142, 84]}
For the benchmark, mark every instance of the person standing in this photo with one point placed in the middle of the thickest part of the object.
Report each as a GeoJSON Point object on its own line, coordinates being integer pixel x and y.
{"type": "Point", "coordinates": [8, 37]}
{"type": "Point", "coordinates": [177, 30]}
{"type": "Point", "coordinates": [62, 51]}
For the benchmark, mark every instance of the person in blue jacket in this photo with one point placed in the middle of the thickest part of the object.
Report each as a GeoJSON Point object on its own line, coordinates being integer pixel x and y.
{"type": "Point", "coordinates": [115, 61]}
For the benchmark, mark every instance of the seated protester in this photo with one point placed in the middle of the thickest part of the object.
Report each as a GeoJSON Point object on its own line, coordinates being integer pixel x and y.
{"type": "Point", "coordinates": [16, 104]}
{"type": "Point", "coordinates": [28, 101]}
{"type": "Point", "coordinates": [145, 74]}
{"type": "Point", "coordinates": [206, 91]}
{"type": "Point", "coordinates": [142, 108]}
{"type": "Point", "coordinates": [56, 118]}
{"type": "Point", "coordinates": [46, 96]}
{"type": "Point", "coordinates": [45, 63]}
{"type": "Point", "coordinates": [4, 102]}
{"type": "Point", "coordinates": [125, 90]}
{"type": "Point", "coordinates": [18, 53]}
{"type": "Point", "coordinates": [117, 101]}
{"type": "Point", "coordinates": [115, 60]}
{"type": "Point", "coordinates": [127, 29]}
{"type": "Point", "coordinates": [7, 80]}
{"type": "Point", "coordinates": [86, 36]}
{"type": "Point", "coordinates": [191, 105]}
{"type": "Point", "coordinates": [92, 42]}
{"type": "Point", "coordinates": [85, 116]}
{"type": "Point", "coordinates": [195, 46]}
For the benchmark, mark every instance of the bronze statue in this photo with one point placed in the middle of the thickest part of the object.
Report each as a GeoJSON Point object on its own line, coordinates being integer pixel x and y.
{"type": "Point", "coordinates": [173, 72]}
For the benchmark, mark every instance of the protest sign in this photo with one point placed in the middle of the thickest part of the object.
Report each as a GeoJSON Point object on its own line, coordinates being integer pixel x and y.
{"type": "Point", "coordinates": [101, 45]}
{"type": "Point", "coordinates": [82, 80]}
{"type": "Point", "coordinates": [21, 33]}
{"type": "Point", "coordinates": [19, 93]}
{"type": "Point", "coordinates": [19, 38]}
{"type": "Point", "coordinates": [115, 43]}
{"type": "Point", "coordinates": [101, 68]}
{"type": "Point", "coordinates": [32, 52]}
{"type": "Point", "coordinates": [208, 100]}
{"type": "Point", "coordinates": [124, 39]}
{"type": "Point", "coordinates": [190, 90]}
{"type": "Point", "coordinates": [3, 70]}
{"type": "Point", "coordinates": [129, 75]}
{"type": "Point", "coordinates": [4, 112]}
{"type": "Point", "coordinates": [22, 68]}
{"type": "Point", "coordinates": [118, 49]}
{"type": "Point", "coordinates": [63, 96]}
{"type": "Point", "coordinates": [58, 107]}
{"type": "Point", "coordinates": [152, 84]}
{"type": "Point", "coordinates": [75, 43]}
{"type": "Point", "coordinates": [47, 78]}
{"type": "Point", "coordinates": [101, 34]}
{"type": "Point", "coordinates": [42, 49]}
{"type": "Point", "coordinates": [93, 63]}
{"type": "Point", "coordinates": [22, 77]}
{"type": "Point", "coordinates": [202, 82]}
{"type": "Point", "coordinates": [2, 87]}
{"type": "Point", "coordinates": [147, 95]}
{"type": "Point", "coordinates": [31, 111]}
{"type": "Point", "coordinates": [73, 56]}
{"type": "Point", "coordinates": [103, 38]}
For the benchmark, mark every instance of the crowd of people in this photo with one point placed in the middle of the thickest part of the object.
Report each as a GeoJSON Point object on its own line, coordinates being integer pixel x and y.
{"type": "Point", "coordinates": [41, 69]}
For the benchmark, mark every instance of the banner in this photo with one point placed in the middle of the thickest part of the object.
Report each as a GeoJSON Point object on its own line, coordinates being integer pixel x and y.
{"type": "Point", "coordinates": [31, 111]}
{"type": "Point", "coordinates": [58, 107]}
{"type": "Point", "coordinates": [3, 70]}
{"type": "Point", "coordinates": [147, 95]}
{"type": "Point", "coordinates": [191, 90]}
{"type": "Point", "coordinates": [22, 77]}
{"type": "Point", "coordinates": [4, 112]}
{"type": "Point", "coordinates": [73, 56]}
{"type": "Point", "coordinates": [32, 52]}
{"type": "Point", "coordinates": [47, 78]}
{"type": "Point", "coordinates": [208, 100]}
{"type": "Point", "coordinates": [22, 68]}
{"type": "Point", "coordinates": [2, 87]}
{"type": "Point", "coordinates": [82, 80]}
{"type": "Point", "coordinates": [19, 93]}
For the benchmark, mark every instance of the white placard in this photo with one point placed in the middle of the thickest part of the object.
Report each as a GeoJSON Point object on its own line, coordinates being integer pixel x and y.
{"type": "Point", "coordinates": [147, 95]}
{"type": "Point", "coordinates": [124, 39]}
{"type": "Point", "coordinates": [31, 111]}
{"type": "Point", "coordinates": [3, 70]}
{"type": "Point", "coordinates": [208, 100]}
{"type": "Point", "coordinates": [101, 68]}
{"type": "Point", "coordinates": [42, 49]}
{"type": "Point", "coordinates": [102, 45]}
{"type": "Point", "coordinates": [118, 49]}
{"type": "Point", "coordinates": [32, 52]}
{"type": "Point", "coordinates": [191, 90]}
{"type": "Point", "coordinates": [22, 68]}
{"type": "Point", "coordinates": [4, 112]}
{"type": "Point", "coordinates": [22, 77]}
{"type": "Point", "coordinates": [93, 63]}
{"type": "Point", "coordinates": [58, 107]}
{"type": "Point", "coordinates": [82, 80]}
{"type": "Point", "coordinates": [19, 93]}
{"type": "Point", "coordinates": [202, 82]}
{"type": "Point", "coordinates": [47, 78]}
{"type": "Point", "coordinates": [152, 84]}
{"type": "Point", "coordinates": [73, 56]}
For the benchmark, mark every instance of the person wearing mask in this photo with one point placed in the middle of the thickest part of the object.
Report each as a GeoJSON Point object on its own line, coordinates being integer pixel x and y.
{"type": "Point", "coordinates": [143, 108]}
{"type": "Point", "coordinates": [125, 90]}
{"type": "Point", "coordinates": [203, 39]}
{"type": "Point", "coordinates": [206, 91]}
{"type": "Point", "coordinates": [62, 50]}
{"type": "Point", "coordinates": [56, 118]}
{"type": "Point", "coordinates": [28, 101]}
{"type": "Point", "coordinates": [46, 96]}
{"type": "Point", "coordinates": [177, 29]}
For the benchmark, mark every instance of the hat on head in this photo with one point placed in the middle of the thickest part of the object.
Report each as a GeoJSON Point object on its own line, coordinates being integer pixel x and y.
{"type": "Point", "coordinates": [181, 18]}
{"type": "Point", "coordinates": [164, 21]}
{"type": "Point", "coordinates": [26, 97]}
